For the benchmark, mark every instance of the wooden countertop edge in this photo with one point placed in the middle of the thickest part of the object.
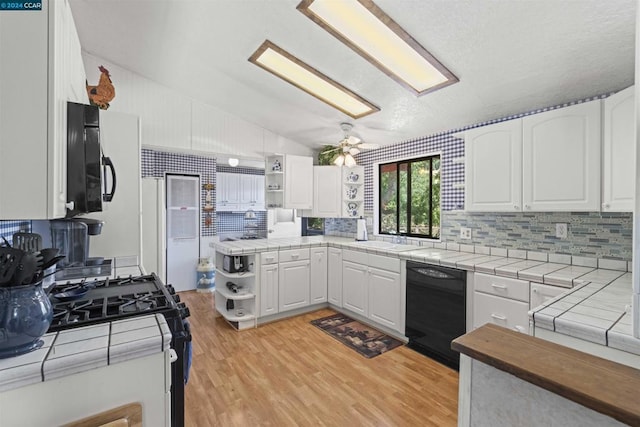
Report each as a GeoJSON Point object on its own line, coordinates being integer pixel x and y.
{"type": "Point", "coordinates": [599, 384]}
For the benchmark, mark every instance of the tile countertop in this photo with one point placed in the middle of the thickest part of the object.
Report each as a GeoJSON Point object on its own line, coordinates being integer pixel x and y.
{"type": "Point", "coordinates": [597, 309]}
{"type": "Point", "coordinates": [81, 349]}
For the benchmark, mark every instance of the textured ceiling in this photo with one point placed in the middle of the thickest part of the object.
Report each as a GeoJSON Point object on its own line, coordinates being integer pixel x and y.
{"type": "Point", "coordinates": [511, 56]}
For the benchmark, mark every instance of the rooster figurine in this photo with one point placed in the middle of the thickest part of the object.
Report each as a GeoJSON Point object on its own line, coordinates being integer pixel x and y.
{"type": "Point", "coordinates": [104, 92]}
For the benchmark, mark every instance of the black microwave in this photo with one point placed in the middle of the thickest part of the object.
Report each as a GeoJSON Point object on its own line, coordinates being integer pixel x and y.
{"type": "Point", "coordinates": [86, 165]}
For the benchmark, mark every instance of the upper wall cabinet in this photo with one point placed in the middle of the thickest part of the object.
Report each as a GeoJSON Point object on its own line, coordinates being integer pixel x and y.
{"type": "Point", "coordinates": [561, 159]}
{"type": "Point", "coordinates": [544, 162]}
{"type": "Point", "coordinates": [41, 69]}
{"type": "Point", "coordinates": [289, 181]}
{"type": "Point", "coordinates": [338, 192]}
{"type": "Point", "coordinates": [619, 147]}
{"type": "Point", "coordinates": [493, 167]}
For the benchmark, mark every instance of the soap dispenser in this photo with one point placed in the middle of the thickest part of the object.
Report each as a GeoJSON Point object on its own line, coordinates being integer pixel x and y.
{"type": "Point", "coordinates": [361, 229]}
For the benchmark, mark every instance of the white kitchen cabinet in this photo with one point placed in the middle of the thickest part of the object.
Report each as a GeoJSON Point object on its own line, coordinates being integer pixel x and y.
{"type": "Point", "coordinates": [540, 294]}
{"type": "Point", "coordinates": [334, 277]}
{"type": "Point", "coordinates": [493, 167]}
{"type": "Point", "coordinates": [251, 192]}
{"type": "Point", "coordinates": [294, 285]}
{"type": "Point", "coordinates": [561, 159]}
{"type": "Point", "coordinates": [355, 287]}
{"type": "Point", "coordinates": [384, 297]}
{"type": "Point", "coordinates": [228, 192]}
{"type": "Point", "coordinates": [41, 60]}
{"type": "Point", "coordinates": [319, 275]}
{"type": "Point", "coordinates": [619, 147]}
{"type": "Point", "coordinates": [268, 289]}
{"type": "Point", "coordinates": [289, 181]}
{"type": "Point", "coordinates": [327, 181]}
{"type": "Point", "coordinates": [500, 300]}
{"type": "Point", "coordinates": [298, 184]}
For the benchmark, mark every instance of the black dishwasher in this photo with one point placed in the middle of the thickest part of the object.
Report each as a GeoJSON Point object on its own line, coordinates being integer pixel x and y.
{"type": "Point", "coordinates": [436, 310]}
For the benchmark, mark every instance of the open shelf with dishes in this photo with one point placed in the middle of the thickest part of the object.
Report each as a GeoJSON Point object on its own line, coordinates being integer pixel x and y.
{"type": "Point", "coordinates": [235, 297]}
{"type": "Point", "coordinates": [353, 192]}
{"type": "Point", "coordinates": [274, 181]}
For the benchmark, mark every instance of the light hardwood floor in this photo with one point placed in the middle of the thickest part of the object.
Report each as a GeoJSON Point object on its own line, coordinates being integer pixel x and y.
{"type": "Point", "coordinates": [289, 373]}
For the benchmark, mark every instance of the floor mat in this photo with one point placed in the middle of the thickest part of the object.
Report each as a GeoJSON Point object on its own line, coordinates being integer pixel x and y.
{"type": "Point", "coordinates": [364, 339]}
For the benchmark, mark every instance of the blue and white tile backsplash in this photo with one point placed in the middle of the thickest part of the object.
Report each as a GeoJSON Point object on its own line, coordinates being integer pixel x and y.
{"type": "Point", "coordinates": [7, 228]}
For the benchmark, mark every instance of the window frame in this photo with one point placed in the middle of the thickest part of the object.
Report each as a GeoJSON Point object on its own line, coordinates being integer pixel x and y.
{"type": "Point", "coordinates": [376, 194]}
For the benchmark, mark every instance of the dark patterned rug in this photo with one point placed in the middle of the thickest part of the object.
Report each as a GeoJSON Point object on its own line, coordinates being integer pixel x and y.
{"type": "Point", "coordinates": [362, 338]}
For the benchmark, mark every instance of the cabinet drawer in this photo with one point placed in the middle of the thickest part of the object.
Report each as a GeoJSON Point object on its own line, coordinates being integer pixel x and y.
{"type": "Point", "coordinates": [355, 256]}
{"type": "Point", "coordinates": [384, 263]}
{"type": "Point", "coordinates": [269, 258]}
{"type": "Point", "coordinates": [505, 312]}
{"type": "Point", "coordinates": [294, 254]}
{"type": "Point", "coordinates": [501, 286]}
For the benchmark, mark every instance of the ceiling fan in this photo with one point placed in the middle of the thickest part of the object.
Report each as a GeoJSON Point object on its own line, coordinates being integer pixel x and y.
{"type": "Point", "coordinates": [349, 146]}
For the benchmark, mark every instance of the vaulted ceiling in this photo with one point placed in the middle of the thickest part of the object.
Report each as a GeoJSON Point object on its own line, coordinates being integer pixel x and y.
{"type": "Point", "coordinates": [511, 56]}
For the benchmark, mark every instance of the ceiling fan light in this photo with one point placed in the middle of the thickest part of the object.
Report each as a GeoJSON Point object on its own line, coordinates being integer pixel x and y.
{"type": "Point", "coordinates": [353, 151]}
{"type": "Point", "coordinates": [233, 162]}
{"type": "Point", "coordinates": [339, 161]}
{"type": "Point", "coordinates": [349, 161]}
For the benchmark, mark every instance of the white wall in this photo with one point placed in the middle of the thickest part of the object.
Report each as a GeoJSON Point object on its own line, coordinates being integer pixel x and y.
{"type": "Point", "coordinates": [173, 121]}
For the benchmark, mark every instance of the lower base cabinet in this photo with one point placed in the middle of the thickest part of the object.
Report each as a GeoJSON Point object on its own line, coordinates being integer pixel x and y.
{"type": "Point", "coordinates": [384, 297]}
{"type": "Point", "coordinates": [268, 289]}
{"type": "Point", "coordinates": [334, 277]}
{"type": "Point", "coordinates": [294, 285]}
{"type": "Point", "coordinates": [354, 287]}
{"type": "Point", "coordinates": [505, 312]}
{"type": "Point", "coordinates": [318, 271]}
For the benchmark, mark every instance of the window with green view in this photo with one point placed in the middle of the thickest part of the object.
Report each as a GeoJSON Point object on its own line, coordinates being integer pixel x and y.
{"type": "Point", "coordinates": [409, 197]}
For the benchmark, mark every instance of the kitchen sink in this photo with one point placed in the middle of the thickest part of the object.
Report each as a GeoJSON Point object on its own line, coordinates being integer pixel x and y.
{"type": "Point", "coordinates": [378, 244]}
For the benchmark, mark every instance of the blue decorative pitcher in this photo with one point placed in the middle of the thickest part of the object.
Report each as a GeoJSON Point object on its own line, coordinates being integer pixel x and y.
{"type": "Point", "coordinates": [25, 316]}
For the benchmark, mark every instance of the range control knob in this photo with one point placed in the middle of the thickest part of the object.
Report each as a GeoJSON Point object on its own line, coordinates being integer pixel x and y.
{"type": "Point", "coordinates": [184, 310]}
{"type": "Point", "coordinates": [170, 289]}
{"type": "Point", "coordinates": [176, 298]}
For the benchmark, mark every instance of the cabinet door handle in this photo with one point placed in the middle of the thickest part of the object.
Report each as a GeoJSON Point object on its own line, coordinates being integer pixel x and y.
{"type": "Point", "coordinates": [493, 285]}
{"type": "Point", "coordinates": [498, 317]}
{"type": "Point", "coordinates": [527, 207]}
{"type": "Point", "coordinates": [269, 258]}
{"type": "Point", "coordinates": [295, 255]}
{"type": "Point", "coordinates": [516, 207]}
{"type": "Point", "coordinates": [605, 205]}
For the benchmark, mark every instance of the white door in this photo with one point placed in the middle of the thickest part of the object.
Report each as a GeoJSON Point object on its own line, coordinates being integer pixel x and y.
{"type": "Point", "coordinates": [334, 276]}
{"type": "Point", "coordinates": [183, 230]}
{"type": "Point", "coordinates": [294, 284]}
{"type": "Point", "coordinates": [354, 287]}
{"type": "Point", "coordinates": [153, 226]}
{"type": "Point", "coordinates": [283, 223]}
{"type": "Point", "coordinates": [384, 297]}
{"type": "Point", "coordinates": [561, 159]}
{"type": "Point", "coordinates": [493, 167]}
{"type": "Point", "coordinates": [619, 147]}
{"type": "Point", "coordinates": [318, 275]}
{"type": "Point", "coordinates": [268, 289]}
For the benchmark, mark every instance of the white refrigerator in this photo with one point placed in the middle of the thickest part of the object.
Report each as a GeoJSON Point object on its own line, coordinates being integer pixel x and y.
{"type": "Point", "coordinates": [153, 227]}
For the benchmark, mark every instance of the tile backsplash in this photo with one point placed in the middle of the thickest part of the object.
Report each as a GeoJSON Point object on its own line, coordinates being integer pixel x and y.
{"type": "Point", "coordinates": [589, 234]}
{"type": "Point", "coordinates": [7, 228]}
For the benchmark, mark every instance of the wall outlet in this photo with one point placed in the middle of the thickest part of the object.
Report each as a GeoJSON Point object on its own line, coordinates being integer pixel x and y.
{"type": "Point", "coordinates": [465, 233]}
{"type": "Point", "coordinates": [561, 231]}
{"type": "Point", "coordinates": [369, 220]}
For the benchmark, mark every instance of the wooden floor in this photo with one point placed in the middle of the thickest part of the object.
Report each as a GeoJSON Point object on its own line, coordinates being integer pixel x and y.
{"type": "Point", "coordinates": [289, 373]}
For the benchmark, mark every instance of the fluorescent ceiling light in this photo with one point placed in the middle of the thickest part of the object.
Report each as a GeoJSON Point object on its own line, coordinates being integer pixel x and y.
{"type": "Point", "coordinates": [289, 68]}
{"type": "Point", "coordinates": [365, 28]}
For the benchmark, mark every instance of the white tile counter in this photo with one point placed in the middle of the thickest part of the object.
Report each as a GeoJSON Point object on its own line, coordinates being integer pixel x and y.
{"type": "Point", "coordinates": [81, 349]}
{"type": "Point", "coordinates": [596, 310]}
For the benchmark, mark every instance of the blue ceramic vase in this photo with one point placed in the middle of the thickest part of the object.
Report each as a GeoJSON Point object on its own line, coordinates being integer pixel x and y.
{"type": "Point", "coordinates": [25, 316]}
